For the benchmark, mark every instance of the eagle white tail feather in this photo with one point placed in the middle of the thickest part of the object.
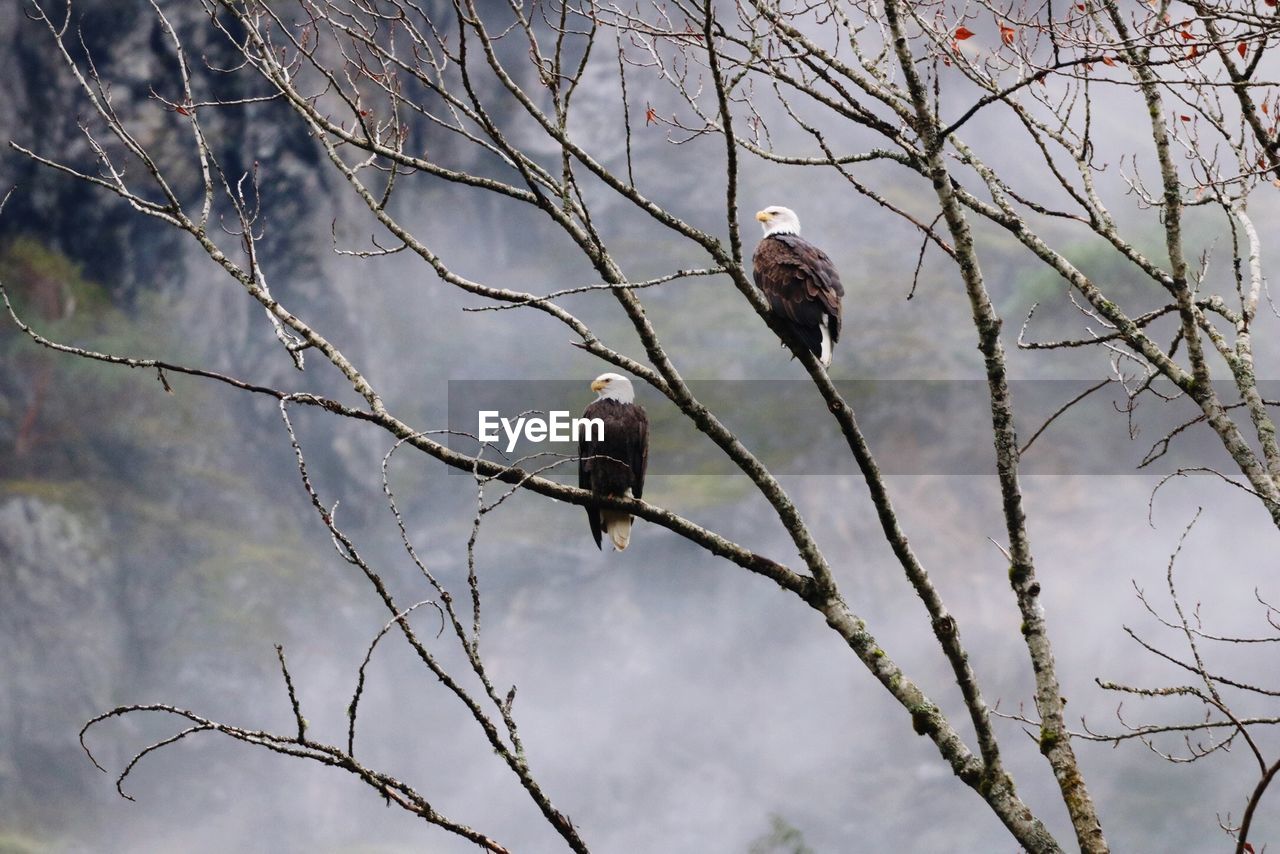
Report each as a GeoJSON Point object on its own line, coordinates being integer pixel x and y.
{"type": "Point", "coordinates": [825, 356]}
{"type": "Point", "coordinates": [617, 525]}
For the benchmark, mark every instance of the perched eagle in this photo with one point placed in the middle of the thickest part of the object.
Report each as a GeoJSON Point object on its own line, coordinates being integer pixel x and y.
{"type": "Point", "coordinates": [614, 464]}
{"type": "Point", "coordinates": [800, 282]}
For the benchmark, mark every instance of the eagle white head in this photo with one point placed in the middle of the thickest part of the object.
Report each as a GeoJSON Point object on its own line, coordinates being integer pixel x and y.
{"type": "Point", "coordinates": [613, 387]}
{"type": "Point", "coordinates": [778, 220]}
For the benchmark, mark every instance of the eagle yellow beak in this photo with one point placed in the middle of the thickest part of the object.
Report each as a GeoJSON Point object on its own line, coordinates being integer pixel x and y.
{"type": "Point", "coordinates": [597, 385]}
{"type": "Point", "coordinates": [763, 216]}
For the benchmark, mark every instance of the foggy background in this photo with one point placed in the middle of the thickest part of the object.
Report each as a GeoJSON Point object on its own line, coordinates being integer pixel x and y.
{"type": "Point", "coordinates": [154, 547]}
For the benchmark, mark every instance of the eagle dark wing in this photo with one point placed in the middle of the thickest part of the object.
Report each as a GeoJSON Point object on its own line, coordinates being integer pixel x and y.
{"type": "Point", "coordinates": [802, 286]}
{"type": "Point", "coordinates": [585, 452]}
{"type": "Point", "coordinates": [638, 457]}
{"type": "Point", "coordinates": [616, 463]}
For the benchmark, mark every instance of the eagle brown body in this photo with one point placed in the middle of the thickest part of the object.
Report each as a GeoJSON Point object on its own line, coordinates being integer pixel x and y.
{"type": "Point", "coordinates": [803, 290]}
{"type": "Point", "coordinates": [614, 465]}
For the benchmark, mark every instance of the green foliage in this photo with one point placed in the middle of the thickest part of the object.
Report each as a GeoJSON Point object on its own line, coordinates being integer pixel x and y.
{"type": "Point", "coordinates": [41, 281]}
{"type": "Point", "coordinates": [782, 838]}
{"type": "Point", "coordinates": [63, 417]}
{"type": "Point", "coordinates": [69, 493]}
{"type": "Point", "coordinates": [163, 473]}
{"type": "Point", "coordinates": [17, 843]}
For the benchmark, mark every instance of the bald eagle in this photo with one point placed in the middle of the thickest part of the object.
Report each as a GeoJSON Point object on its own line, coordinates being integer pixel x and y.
{"type": "Point", "coordinates": [800, 282]}
{"type": "Point", "coordinates": [614, 464]}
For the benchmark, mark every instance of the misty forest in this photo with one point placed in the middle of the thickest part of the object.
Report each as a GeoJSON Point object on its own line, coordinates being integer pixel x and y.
{"type": "Point", "coordinates": [1001, 577]}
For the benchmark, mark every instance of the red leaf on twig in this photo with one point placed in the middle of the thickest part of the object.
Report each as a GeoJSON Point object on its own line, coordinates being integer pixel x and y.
{"type": "Point", "coordinates": [1242, 49]}
{"type": "Point", "coordinates": [963, 33]}
{"type": "Point", "coordinates": [1080, 6]}
{"type": "Point", "coordinates": [1007, 34]}
{"type": "Point", "coordinates": [1106, 60]}
{"type": "Point", "coordinates": [1185, 118]}
{"type": "Point", "coordinates": [650, 115]}
{"type": "Point", "coordinates": [181, 110]}
{"type": "Point", "coordinates": [1187, 36]}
